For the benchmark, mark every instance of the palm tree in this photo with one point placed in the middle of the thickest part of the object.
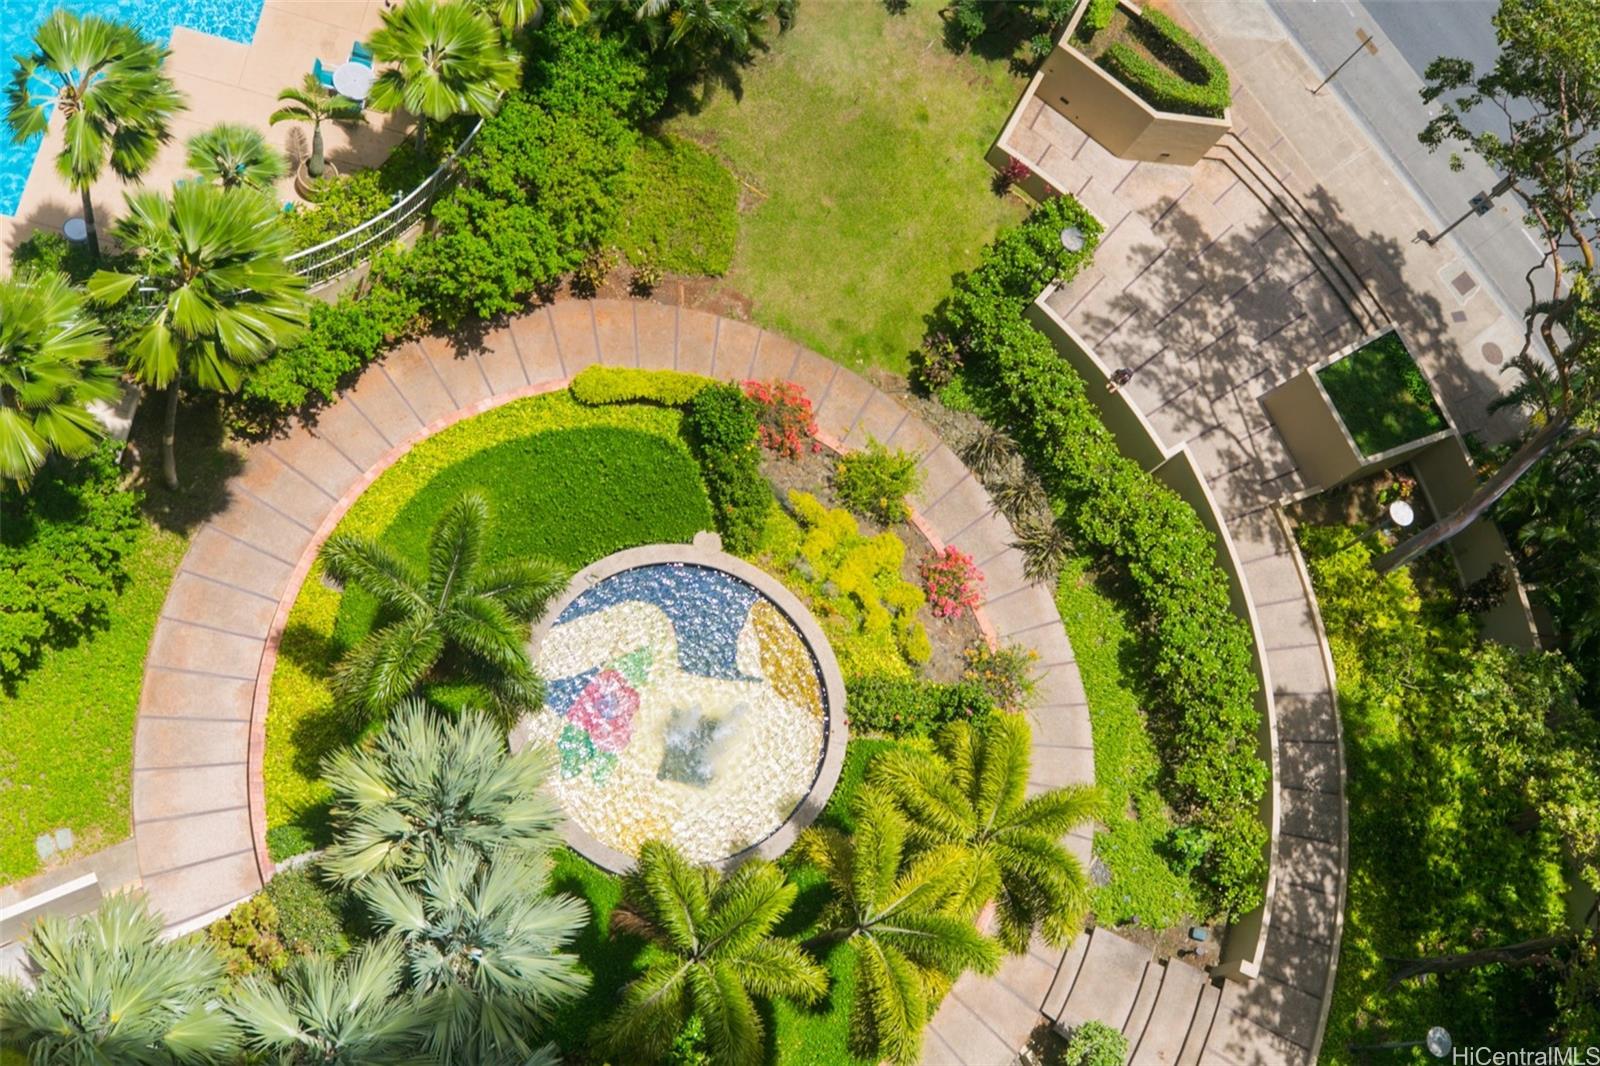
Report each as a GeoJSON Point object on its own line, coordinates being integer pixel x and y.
{"type": "Point", "coordinates": [428, 783]}
{"type": "Point", "coordinates": [349, 1012]}
{"type": "Point", "coordinates": [315, 103]}
{"type": "Point", "coordinates": [692, 35]}
{"type": "Point", "coordinates": [107, 84]}
{"type": "Point", "coordinates": [52, 363]}
{"type": "Point", "coordinates": [108, 988]}
{"type": "Point", "coordinates": [234, 155]}
{"type": "Point", "coordinates": [486, 938]}
{"type": "Point", "coordinates": [969, 794]}
{"type": "Point", "coordinates": [211, 265]}
{"type": "Point", "coordinates": [459, 620]}
{"type": "Point", "coordinates": [895, 912]}
{"type": "Point", "coordinates": [512, 15]}
{"type": "Point", "coordinates": [447, 60]}
{"type": "Point", "coordinates": [711, 952]}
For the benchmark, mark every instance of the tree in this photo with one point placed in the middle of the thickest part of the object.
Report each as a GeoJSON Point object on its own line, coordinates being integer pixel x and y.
{"type": "Point", "coordinates": [969, 795]}
{"type": "Point", "coordinates": [513, 15]}
{"type": "Point", "coordinates": [459, 620]}
{"type": "Point", "coordinates": [446, 60]}
{"type": "Point", "coordinates": [235, 155]}
{"type": "Point", "coordinates": [1546, 84]}
{"type": "Point", "coordinates": [315, 103]}
{"type": "Point", "coordinates": [349, 1012]}
{"type": "Point", "coordinates": [109, 988]}
{"type": "Point", "coordinates": [896, 912]}
{"type": "Point", "coordinates": [484, 938]}
{"type": "Point", "coordinates": [106, 83]}
{"type": "Point", "coordinates": [52, 364]}
{"type": "Point", "coordinates": [427, 784]}
{"type": "Point", "coordinates": [711, 951]}
{"type": "Point", "coordinates": [690, 36]}
{"type": "Point", "coordinates": [211, 270]}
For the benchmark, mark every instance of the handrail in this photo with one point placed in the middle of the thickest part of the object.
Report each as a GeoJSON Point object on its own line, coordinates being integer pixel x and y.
{"type": "Point", "coordinates": [338, 255]}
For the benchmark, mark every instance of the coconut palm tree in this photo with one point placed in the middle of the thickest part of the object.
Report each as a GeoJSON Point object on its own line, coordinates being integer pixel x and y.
{"type": "Point", "coordinates": [106, 82]}
{"type": "Point", "coordinates": [446, 59]}
{"type": "Point", "coordinates": [970, 795]}
{"type": "Point", "coordinates": [326, 1012]}
{"type": "Point", "coordinates": [211, 270]}
{"type": "Point", "coordinates": [458, 620]}
{"type": "Point", "coordinates": [108, 988]}
{"type": "Point", "coordinates": [895, 912]}
{"type": "Point", "coordinates": [429, 783]}
{"type": "Point", "coordinates": [712, 950]}
{"type": "Point", "coordinates": [315, 103]}
{"type": "Point", "coordinates": [52, 363]}
{"type": "Point", "coordinates": [486, 938]}
{"type": "Point", "coordinates": [235, 155]}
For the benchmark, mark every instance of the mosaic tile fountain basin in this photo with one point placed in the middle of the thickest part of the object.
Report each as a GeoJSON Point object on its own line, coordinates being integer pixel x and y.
{"type": "Point", "coordinates": [691, 698]}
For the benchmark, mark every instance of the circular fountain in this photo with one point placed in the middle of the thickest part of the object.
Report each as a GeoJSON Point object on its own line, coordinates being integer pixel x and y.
{"type": "Point", "coordinates": [690, 698]}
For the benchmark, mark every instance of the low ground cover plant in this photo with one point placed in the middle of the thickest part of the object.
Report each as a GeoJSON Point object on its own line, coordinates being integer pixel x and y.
{"type": "Point", "coordinates": [722, 424]}
{"type": "Point", "coordinates": [876, 480]}
{"type": "Point", "coordinates": [1381, 395]}
{"type": "Point", "coordinates": [682, 213]}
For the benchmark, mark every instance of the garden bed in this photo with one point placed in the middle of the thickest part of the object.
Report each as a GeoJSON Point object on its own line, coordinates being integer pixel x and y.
{"type": "Point", "coordinates": [1381, 396]}
{"type": "Point", "coordinates": [1162, 63]}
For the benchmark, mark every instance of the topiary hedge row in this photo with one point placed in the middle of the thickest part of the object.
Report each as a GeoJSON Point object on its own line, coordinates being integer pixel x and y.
{"type": "Point", "coordinates": [598, 384]}
{"type": "Point", "coordinates": [1157, 82]}
{"type": "Point", "coordinates": [1198, 650]}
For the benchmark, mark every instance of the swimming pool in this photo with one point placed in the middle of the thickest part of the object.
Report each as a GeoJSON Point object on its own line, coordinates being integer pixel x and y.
{"type": "Point", "coordinates": [234, 19]}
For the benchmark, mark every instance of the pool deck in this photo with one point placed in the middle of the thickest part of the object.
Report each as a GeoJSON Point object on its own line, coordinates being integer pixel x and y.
{"type": "Point", "coordinates": [224, 81]}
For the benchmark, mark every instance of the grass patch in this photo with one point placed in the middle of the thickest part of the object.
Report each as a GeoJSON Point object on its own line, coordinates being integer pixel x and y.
{"type": "Point", "coordinates": [1148, 887]}
{"type": "Point", "coordinates": [1382, 396]}
{"type": "Point", "coordinates": [572, 482]}
{"type": "Point", "coordinates": [683, 213]}
{"type": "Point", "coordinates": [860, 141]}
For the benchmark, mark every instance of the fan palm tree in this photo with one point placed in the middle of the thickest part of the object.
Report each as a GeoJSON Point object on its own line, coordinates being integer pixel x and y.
{"type": "Point", "coordinates": [106, 82]}
{"type": "Point", "coordinates": [446, 59]}
{"type": "Point", "coordinates": [459, 620]}
{"type": "Point", "coordinates": [349, 1012]}
{"type": "Point", "coordinates": [486, 938]}
{"type": "Point", "coordinates": [895, 912]}
{"type": "Point", "coordinates": [711, 950]}
{"type": "Point", "coordinates": [512, 15]}
{"type": "Point", "coordinates": [52, 363]}
{"type": "Point", "coordinates": [969, 795]}
{"type": "Point", "coordinates": [221, 298]}
{"type": "Point", "coordinates": [315, 103]}
{"type": "Point", "coordinates": [234, 154]}
{"type": "Point", "coordinates": [108, 988]}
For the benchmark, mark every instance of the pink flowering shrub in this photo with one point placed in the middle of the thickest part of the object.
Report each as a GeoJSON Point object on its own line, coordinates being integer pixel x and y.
{"type": "Point", "coordinates": [787, 425]}
{"type": "Point", "coordinates": [952, 581]}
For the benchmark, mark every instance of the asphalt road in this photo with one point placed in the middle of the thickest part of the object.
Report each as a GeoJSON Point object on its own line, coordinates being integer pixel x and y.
{"type": "Point", "coordinates": [1383, 90]}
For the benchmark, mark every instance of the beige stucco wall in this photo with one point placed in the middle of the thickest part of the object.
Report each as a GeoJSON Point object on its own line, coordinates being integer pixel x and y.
{"type": "Point", "coordinates": [1303, 417]}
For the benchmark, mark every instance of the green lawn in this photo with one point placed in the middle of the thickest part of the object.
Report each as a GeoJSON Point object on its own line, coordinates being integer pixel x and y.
{"type": "Point", "coordinates": [859, 143]}
{"type": "Point", "coordinates": [683, 214]}
{"type": "Point", "coordinates": [1145, 888]}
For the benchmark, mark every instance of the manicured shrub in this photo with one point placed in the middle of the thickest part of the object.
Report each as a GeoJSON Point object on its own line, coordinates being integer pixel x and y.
{"type": "Point", "coordinates": [787, 425]}
{"type": "Point", "coordinates": [64, 549]}
{"type": "Point", "coordinates": [1095, 1044]}
{"type": "Point", "coordinates": [901, 706]}
{"type": "Point", "coordinates": [721, 425]}
{"type": "Point", "coordinates": [952, 582]}
{"type": "Point", "coordinates": [1097, 16]}
{"type": "Point", "coordinates": [342, 203]}
{"type": "Point", "coordinates": [876, 481]}
{"type": "Point", "coordinates": [312, 918]}
{"type": "Point", "coordinates": [1158, 82]}
{"type": "Point", "coordinates": [597, 384]}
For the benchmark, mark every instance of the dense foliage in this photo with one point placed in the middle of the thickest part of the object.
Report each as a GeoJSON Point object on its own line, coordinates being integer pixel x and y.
{"type": "Point", "coordinates": [901, 706]}
{"type": "Point", "coordinates": [1381, 395]}
{"type": "Point", "coordinates": [64, 550]}
{"type": "Point", "coordinates": [876, 480]}
{"type": "Point", "coordinates": [597, 384]}
{"type": "Point", "coordinates": [1095, 1044]}
{"type": "Point", "coordinates": [721, 424]}
{"type": "Point", "coordinates": [1196, 648]}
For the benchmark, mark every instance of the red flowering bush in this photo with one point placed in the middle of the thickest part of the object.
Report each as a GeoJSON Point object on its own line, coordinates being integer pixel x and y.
{"type": "Point", "coordinates": [1013, 172]}
{"type": "Point", "coordinates": [952, 581]}
{"type": "Point", "coordinates": [787, 425]}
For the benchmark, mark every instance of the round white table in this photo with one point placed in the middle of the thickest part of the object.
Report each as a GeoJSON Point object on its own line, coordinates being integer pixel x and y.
{"type": "Point", "coordinates": [76, 230]}
{"type": "Point", "coordinates": [353, 79]}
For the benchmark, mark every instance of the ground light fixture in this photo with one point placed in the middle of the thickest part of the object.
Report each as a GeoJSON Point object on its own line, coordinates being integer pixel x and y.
{"type": "Point", "coordinates": [1401, 514]}
{"type": "Point", "coordinates": [1437, 1042]}
{"type": "Point", "coordinates": [1072, 239]}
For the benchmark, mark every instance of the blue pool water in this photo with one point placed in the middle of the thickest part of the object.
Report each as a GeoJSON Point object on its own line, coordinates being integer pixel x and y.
{"type": "Point", "coordinates": [233, 19]}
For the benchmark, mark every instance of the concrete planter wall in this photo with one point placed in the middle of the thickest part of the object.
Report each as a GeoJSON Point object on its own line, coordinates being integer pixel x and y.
{"type": "Point", "coordinates": [1092, 99]}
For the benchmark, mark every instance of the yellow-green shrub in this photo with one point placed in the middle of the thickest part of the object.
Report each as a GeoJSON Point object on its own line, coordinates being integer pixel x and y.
{"type": "Point", "coordinates": [617, 384]}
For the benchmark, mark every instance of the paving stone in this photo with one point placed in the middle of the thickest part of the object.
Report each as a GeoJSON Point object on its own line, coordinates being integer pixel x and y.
{"type": "Point", "coordinates": [735, 350]}
{"type": "Point", "coordinates": [1273, 580]}
{"type": "Point", "coordinates": [697, 339]}
{"type": "Point", "coordinates": [464, 380]}
{"type": "Point", "coordinates": [1236, 1040]}
{"type": "Point", "coordinates": [1313, 815]}
{"type": "Point", "coordinates": [1309, 765]}
{"type": "Point", "coordinates": [284, 490]}
{"type": "Point", "coordinates": [1305, 913]}
{"type": "Point", "coordinates": [383, 405]}
{"type": "Point", "coordinates": [197, 696]}
{"type": "Point", "coordinates": [957, 510]}
{"type": "Point", "coordinates": [413, 376]}
{"type": "Point", "coordinates": [1296, 961]}
{"type": "Point", "coordinates": [1286, 623]}
{"type": "Point", "coordinates": [1113, 970]}
{"type": "Point", "coordinates": [189, 790]}
{"type": "Point", "coordinates": [260, 526]}
{"type": "Point", "coordinates": [191, 598]}
{"type": "Point", "coordinates": [498, 357]}
{"type": "Point", "coordinates": [348, 432]}
{"type": "Point", "coordinates": [1061, 727]}
{"type": "Point", "coordinates": [1030, 975]}
{"type": "Point", "coordinates": [176, 842]}
{"type": "Point", "coordinates": [1008, 1015]}
{"type": "Point", "coordinates": [1300, 669]}
{"type": "Point", "coordinates": [914, 436]}
{"type": "Point", "coordinates": [1309, 863]}
{"type": "Point", "coordinates": [185, 646]}
{"type": "Point", "coordinates": [535, 339]}
{"type": "Point", "coordinates": [776, 356]}
{"type": "Point", "coordinates": [878, 421]}
{"type": "Point", "coordinates": [1060, 686]}
{"type": "Point", "coordinates": [1049, 641]}
{"type": "Point", "coordinates": [191, 891]}
{"type": "Point", "coordinates": [614, 333]}
{"type": "Point", "coordinates": [1278, 1008]}
{"type": "Point", "coordinates": [165, 742]}
{"type": "Point", "coordinates": [1305, 715]}
{"type": "Point", "coordinates": [1058, 767]}
{"type": "Point", "coordinates": [840, 404]}
{"type": "Point", "coordinates": [987, 537]}
{"type": "Point", "coordinates": [573, 322]}
{"type": "Point", "coordinates": [316, 460]}
{"type": "Point", "coordinates": [657, 328]}
{"type": "Point", "coordinates": [967, 1036]}
{"type": "Point", "coordinates": [214, 555]}
{"type": "Point", "coordinates": [1170, 1016]}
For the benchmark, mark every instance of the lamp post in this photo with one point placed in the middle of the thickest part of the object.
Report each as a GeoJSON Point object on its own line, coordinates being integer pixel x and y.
{"type": "Point", "coordinates": [1437, 1042]}
{"type": "Point", "coordinates": [1399, 515]}
{"type": "Point", "coordinates": [1365, 41]}
{"type": "Point", "coordinates": [1481, 205]}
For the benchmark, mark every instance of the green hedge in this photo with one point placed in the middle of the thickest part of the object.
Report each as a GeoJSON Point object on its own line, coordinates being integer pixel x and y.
{"type": "Point", "coordinates": [721, 424]}
{"type": "Point", "coordinates": [1158, 82]}
{"type": "Point", "coordinates": [598, 384]}
{"type": "Point", "coordinates": [1197, 649]}
{"type": "Point", "coordinates": [912, 707]}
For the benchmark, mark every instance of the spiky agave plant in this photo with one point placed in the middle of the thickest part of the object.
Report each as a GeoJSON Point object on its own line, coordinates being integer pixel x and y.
{"type": "Point", "coordinates": [429, 783]}
{"type": "Point", "coordinates": [895, 912]}
{"type": "Point", "coordinates": [484, 938]}
{"type": "Point", "coordinates": [108, 988]}
{"type": "Point", "coordinates": [968, 798]}
{"type": "Point", "coordinates": [711, 954]}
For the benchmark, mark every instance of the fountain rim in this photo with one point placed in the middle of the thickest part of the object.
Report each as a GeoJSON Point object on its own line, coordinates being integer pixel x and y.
{"type": "Point", "coordinates": [706, 551]}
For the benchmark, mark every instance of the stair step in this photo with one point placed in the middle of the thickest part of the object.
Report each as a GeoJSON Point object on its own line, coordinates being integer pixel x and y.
{"type": "Point", "coordinates": [1171, 1017]}
{"type": "Point", "coordinates": [1116, 969]}
{"type": "Point", "coordinates": [1205, 1013]}
{"type": "Point", "coordinates": [1144, 1003]}
{"type": "Point", "coordinates": [1066, 974]}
